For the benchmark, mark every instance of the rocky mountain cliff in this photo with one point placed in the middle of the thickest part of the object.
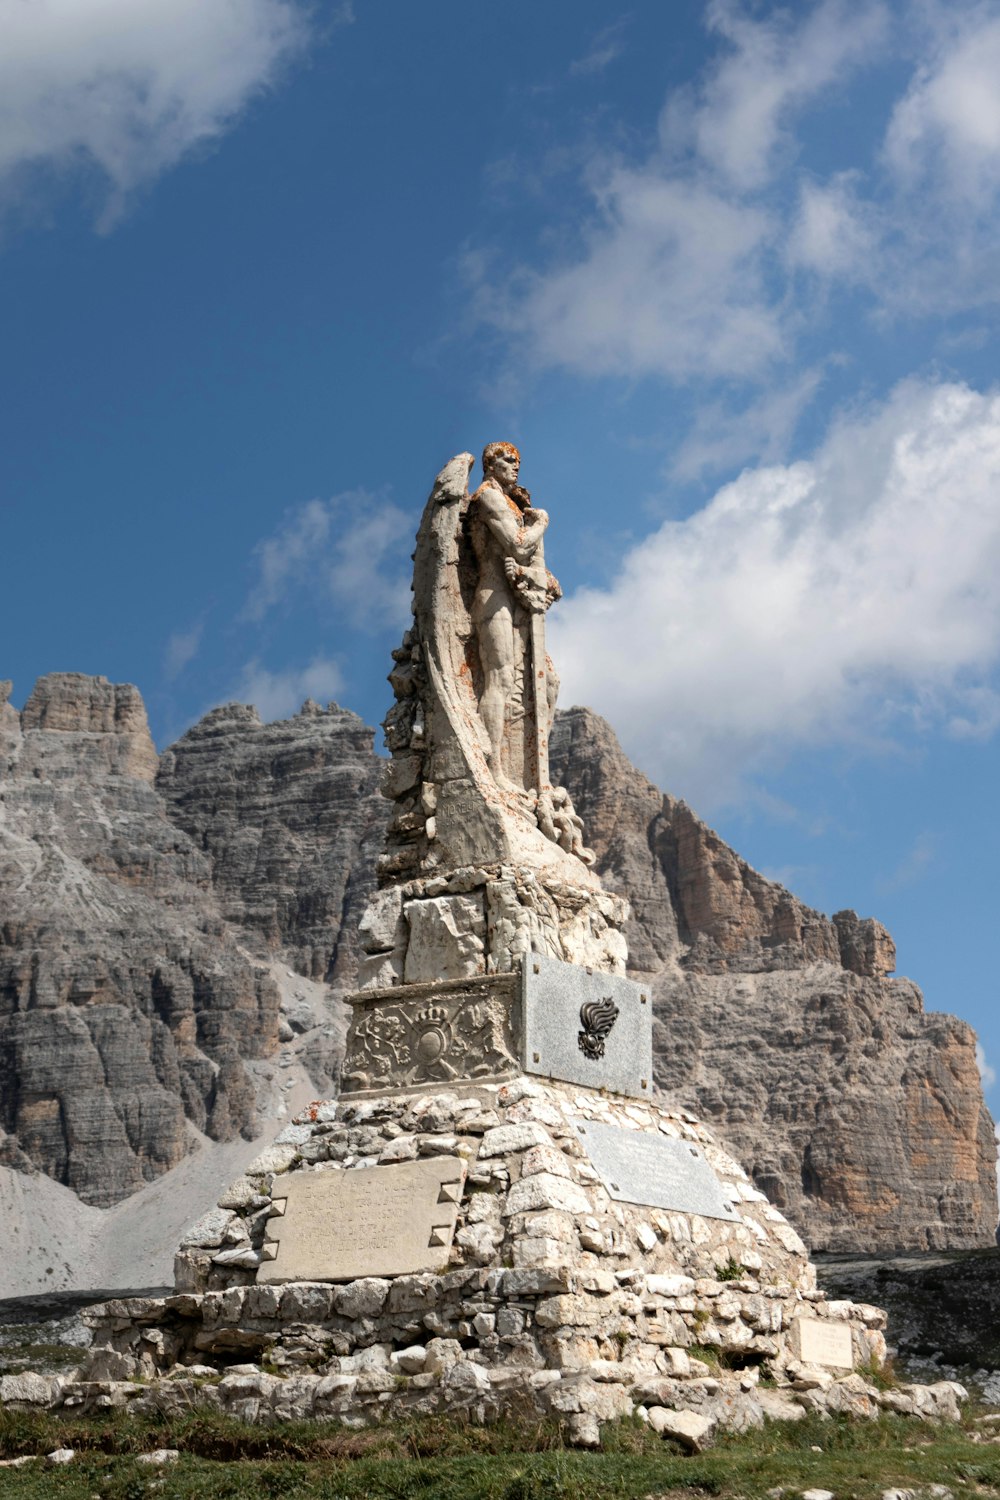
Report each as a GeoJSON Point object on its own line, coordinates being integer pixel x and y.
{"type": "Point", "coordinates": [146, 905]}
{"type": "Point", "coordinates": [858, 1113]}
{"type": "Point", "coordinates": [291, 821]}
{"type": "Point", "coordinates": [126, 1005]}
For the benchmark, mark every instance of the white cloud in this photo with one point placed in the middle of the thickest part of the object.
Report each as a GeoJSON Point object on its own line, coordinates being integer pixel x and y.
{"type": "Point", "coordinates": [835, 232]}
{"type": "Point", "coordinates": [986, 1072]}
{"type": "Point", "coordinates": [912, 867]}
{"type": "Point", "coordinates": [720, 437]}
{"type": "Point", "coordinates": [602, 52]}
{"type": "Point", "coordinates": [277, 695]}
{"type": "Point", "coordinates": [676, 275]}
{"type": "Point", "coordinates": [827, 601]}
{"type": "Point", "coordinates": [181, 649]}
{"type": "Point", "coordinates": [127, 87]}
{"type": "Point", "coordinates": [367, 574]}
{"type": "Point", "coordinates": [948, 122]}
{"type": "Point", "coordinates": [284, 558]}
{"type": "Point", "coordinates": [741, 112]}
{"type": "Point", "coordinates": [353, 548]}
{"type": "Point", "coordinates": [687, 262]}
{"type": "Point", "coordinates": [671, 284]}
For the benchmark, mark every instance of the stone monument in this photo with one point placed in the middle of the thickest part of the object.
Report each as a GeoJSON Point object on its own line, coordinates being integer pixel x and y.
{"type": "Point", "coordinates": [485, 860]}
{"type": "Point", "coordinates": [498, 1213]}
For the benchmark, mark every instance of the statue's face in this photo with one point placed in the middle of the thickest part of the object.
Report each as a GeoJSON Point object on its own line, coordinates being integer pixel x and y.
{"type": "Point", "coordinates": [505, 468]}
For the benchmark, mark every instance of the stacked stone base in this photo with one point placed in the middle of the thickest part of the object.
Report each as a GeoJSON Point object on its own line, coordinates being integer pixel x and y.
{"type": "Point", "coordinates": [557, 1300]}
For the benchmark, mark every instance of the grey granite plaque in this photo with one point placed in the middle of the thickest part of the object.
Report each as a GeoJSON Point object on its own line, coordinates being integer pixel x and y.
{"type": "Point", "coordinates": [645, 1166]}
{"type": "Point", "coordinates": [587, 1027]}
{"type": "Point", "coordinates": [365, 1221]}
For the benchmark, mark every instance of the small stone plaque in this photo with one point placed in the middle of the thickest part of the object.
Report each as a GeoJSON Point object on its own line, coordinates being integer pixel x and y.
{"type": "Point", "coordinates": [822, 1341]}
{"type": "Point", "coordinates": [364, 1221]}
{"type": "Point", "coordinates": [587, 1027]}
{"type": "Point", "coordinates": [644, 1166]}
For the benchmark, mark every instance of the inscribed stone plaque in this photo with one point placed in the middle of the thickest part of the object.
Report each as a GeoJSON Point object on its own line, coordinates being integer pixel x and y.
{"type": "Point", "coordinates": [642, 1166]}
{"type": "Point", "coordinates": [364, 1221]}
{"type": "Point", "coordinates": [587, 1027]}
{"type": "Point", "coordinates": [822, 1341]}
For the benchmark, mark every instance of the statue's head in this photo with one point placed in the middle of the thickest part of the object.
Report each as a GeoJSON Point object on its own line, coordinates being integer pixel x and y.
{"type": "Point", "coordinates": [501, 461]}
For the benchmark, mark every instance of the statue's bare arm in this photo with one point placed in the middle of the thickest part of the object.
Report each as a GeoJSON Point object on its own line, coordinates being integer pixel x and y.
{"type": "Point", "coordinates": [517, 541]}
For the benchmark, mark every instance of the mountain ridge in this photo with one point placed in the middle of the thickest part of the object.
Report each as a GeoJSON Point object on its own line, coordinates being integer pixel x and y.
{"type": "Point", "coordinates": [148, 900]}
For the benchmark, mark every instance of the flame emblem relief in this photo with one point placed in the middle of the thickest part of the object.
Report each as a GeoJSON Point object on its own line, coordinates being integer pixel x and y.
{"type": "Point", "coordinates": [597, 1018]}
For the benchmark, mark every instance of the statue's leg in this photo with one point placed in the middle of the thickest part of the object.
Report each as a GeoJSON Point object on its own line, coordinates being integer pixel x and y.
{"type": "Point", "coordinates": [551, 688]}
{"type": "Point", "coordinates": [496, 654]}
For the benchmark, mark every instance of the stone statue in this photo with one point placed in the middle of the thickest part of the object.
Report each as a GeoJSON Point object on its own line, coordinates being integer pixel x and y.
{"type": "Point", "coordinates": [485, 861]}
{"type": "Point", "coordinates": [513, 591]}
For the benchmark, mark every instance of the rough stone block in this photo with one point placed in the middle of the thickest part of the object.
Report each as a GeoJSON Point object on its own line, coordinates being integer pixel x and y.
{"type": "Point", "coordinates": [569, 1311]}
{"type": "Point", "coordinates": [363, 1298]}
{"type": "Point", "coordinates": [210, 1230]}
{"type": "Point", "coordinates": [504, 1140]}
{"type": "Point", "coordinates": [382, 927]}
{"type": "Point", "coordinates": [687, 1427]}
{"type": "Point", "coordinates": [447, 938]}
{"type": "Point", "coordinates": [533, 1281]}
{"type": "Point", "coordinates": [546, 1191]}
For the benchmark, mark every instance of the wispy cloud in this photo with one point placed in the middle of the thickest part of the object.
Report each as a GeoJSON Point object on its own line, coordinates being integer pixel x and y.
{"type": "Point", "coordinates": [828, 601]}
{"type": "Point", "coordinates": [986, 1072]}
{"type": "Point", "coordinates": [606, 46]}
{"type": "Point", "coordinates": [913, 866]}
{"type": "Point", "coordinates": [722, 435]}
{"type": "Point", "coordinates": [680, 276]}
{"type": "Point", "coordinates": [181, 649]}
{"type": "Point", "coordinates": [353, 548]}
{"type": "Point", "coordinates": [739, 120]}
{"type": "Point", "coordinates": [277, 695]}
{"type": "Point", "coordinates": [672, 284]}
{"type": "Point", "coordinates": [711, 259]}
{"type": "Point", "coordinates": [947, 124]}
{"type": "Point", "coordinates": [284, 558]}
{"type": "Point", "coordinates": [126, 88]}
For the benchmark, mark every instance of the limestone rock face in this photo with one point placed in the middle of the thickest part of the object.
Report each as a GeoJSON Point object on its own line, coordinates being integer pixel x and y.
{"type": "Point", "coordinates": [859, 1114]}
{"type": "Point", "coordinates": [126, 1009]}
{"type": "Point", "coordinates": [129, 1007]}
{"type": "Point", "coordinates": [290, 818]}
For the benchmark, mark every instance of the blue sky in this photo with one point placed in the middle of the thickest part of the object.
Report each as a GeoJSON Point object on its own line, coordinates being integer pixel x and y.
{"type": "Point", "coordinates": [728, 275]}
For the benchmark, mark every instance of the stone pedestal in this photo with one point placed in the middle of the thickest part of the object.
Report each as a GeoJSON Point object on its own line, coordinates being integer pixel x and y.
{"type": "Point", "coordinates": [554, 1295]}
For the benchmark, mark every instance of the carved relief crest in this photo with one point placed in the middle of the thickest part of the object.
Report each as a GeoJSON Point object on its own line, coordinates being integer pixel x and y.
{"type": "Point", "coordinates": [412, 1041]}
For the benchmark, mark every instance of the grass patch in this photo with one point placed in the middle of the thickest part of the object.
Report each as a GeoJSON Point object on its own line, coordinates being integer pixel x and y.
{"type": "Point", "coordinates": [446, 1459]}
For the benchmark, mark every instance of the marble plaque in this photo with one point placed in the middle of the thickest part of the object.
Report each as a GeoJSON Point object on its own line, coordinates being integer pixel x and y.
{"type": "Point", "coordinates": [364, 1221]}
{"type": "Point", "coordinates": [587, 1027]}
{"type": "Point", "coordinates": [648, 1167]}
{"type": "Point", "coordinates": [822, 1341]}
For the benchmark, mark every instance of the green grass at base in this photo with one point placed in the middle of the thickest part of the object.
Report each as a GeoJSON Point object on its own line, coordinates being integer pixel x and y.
{"type": "Point", "coordinates": [444, 1459]}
